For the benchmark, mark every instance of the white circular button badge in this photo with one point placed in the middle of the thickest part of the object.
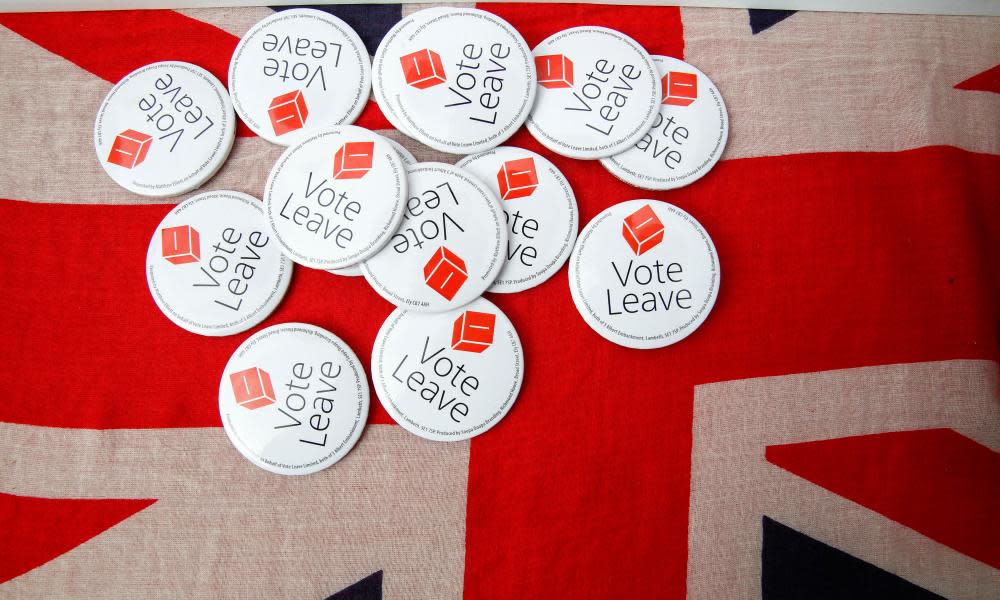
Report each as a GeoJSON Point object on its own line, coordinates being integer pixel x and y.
{"type": "Point", "coordinates": [460, 80]}
{"type": "Point", "coordinates": [599, 93]}
{"type": "Point", "coordinates": [293, 399]}
{"type": "Point", "coordinates": [298, 72]}
{"type": "Point", "coordinates": [164, 129]}
{"type": "Point", "coordinates": [336, 198]}
{"type": "Point", "coordinates": [688, 135]}
{"type": "Point", "coordinates": [448, 376]}
{"type": "Point", "coordinates": [449, 247]}
{"type": "Point", "coordinates": [540, 210]}
{"type": "Point", "coordinates": [213, 266]}
{"type": "Point", "coordinates": [644, 274]}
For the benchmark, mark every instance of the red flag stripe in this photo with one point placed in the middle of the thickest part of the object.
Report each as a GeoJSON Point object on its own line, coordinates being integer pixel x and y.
{"type": "Point", "coordinates": [935, 481]}
{"type": "Point", "coordinates": [36, 530]}
{"type": "Point", "coordinates": [602, 434]}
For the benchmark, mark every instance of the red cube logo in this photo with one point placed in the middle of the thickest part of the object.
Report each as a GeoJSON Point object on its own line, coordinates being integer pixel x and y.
{"type": "Point", "coordinates": [517, 178]}
{"type": "Point", "coordinates": [353, 160]}
{"type": "Point", "coordinates": [181, 245]}
{"type": "Point", "coordinates": [422, 69]}
{"type": "Point", "coordinates": [288, 112]}
{"type": "Point", "coordinates": [130, 148]}
{"type": "Point", "coordinates": [252, 388]}
{"type": "Point", "coordinates": [445, 272]}
{"type": "Point", "coordinates": [473, 331]}
{"type": "Point", "coordinates": [679, 88]}
{"type": "Point", "coordinates": [642, 230]}
{"type": "Point", "coordinates": [554, 71]}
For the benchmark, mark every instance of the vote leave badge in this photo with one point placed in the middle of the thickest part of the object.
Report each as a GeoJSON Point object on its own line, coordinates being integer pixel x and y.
{"type": "Point", "coordinates": [334, 199]}
{"type": "Point", "coordinates": [460, 80]}
{"type": "Point", "coordinates": [599, 93]}
{"type": "Point", "coordinates": [448, 376]}
{"type": "Point", "coordinates": [449, 246]}
{"type": "Point", "coordinates": [408, 160]}
{"type": "Point", "coordinates": [688, 135]}
{"type": "Point", "coordinates": [213, 267]}
{"type": "Point", "coordinates": [164, 129]}
{"type": "Point", "coordinates": [293, 399]}
{"type": "Point", "coordinates": [644, 274]}
{"type": "Point", "coordinates": [539, 208]}
{"type": "Point", "coordinates": [297, 72]}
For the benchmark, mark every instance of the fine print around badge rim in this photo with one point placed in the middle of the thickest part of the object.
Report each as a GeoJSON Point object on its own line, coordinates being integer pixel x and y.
{"type": "Point", "coordinates": [164, 129]}
{"type": "Point", "coordinates": [460, 80]}
{"type": "Point", "coordinates": [293, 399]}
{"type": "Point", "coordinates": [297, 72]}
{"type": "Point", "coordinates": [448, 376]}
{"type": "Point", "coordinates": [539, 207]}
{"type": "Point", "coordinates": [688, 135]}
{"type": "Point", "coordinates": [212, 266]}
{"type": "Point", "coordinates": [336, 198]}
{"type": "Point", "coordinates": [449, 246]}
{"type": "Point", "coordinates": [644, 274]}
{"type": "Point", "coordinates": [600, 93]}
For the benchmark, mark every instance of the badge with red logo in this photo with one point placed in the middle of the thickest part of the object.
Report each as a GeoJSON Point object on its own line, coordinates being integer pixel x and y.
{"type": "Point", "coordinates": [598, 92]}
{"type": "Point", "coordinates": [293, 399]}
{"type": "Point", "coordinates": [213, 267]}
{"type": "Point", "coordinates": [688, 135]}
{"type": "Point", "coordinates": [336, 198]}
{"type": "Point", "coordinates": [449, 246]}
{"type": "Point", "coordinates": [539, 209]}
{"type": "Point", "coordinates": [644, 274]}
{"type": "Point", "coordinates": [298, 72]}
{"type": "Point", "coordinates": [164, 129]}
{"type": "Point", "coordinates": [460, 80]}
{"type": "Point", "coordinates": [448, 376]}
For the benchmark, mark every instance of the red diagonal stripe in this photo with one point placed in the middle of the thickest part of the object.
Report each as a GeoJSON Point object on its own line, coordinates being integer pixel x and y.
{"type": "Point", "coordinates": [36, 530]}
{"type": "Point", "coordinates": [987, 81]}
{"type": "Point", "coordinates": [112, 44]}
{"type": "Point", "coordinates": [934, 481]}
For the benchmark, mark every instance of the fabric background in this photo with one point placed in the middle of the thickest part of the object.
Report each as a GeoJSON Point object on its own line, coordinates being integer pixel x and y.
{"type": "Point", "coordinates": [832, 431]}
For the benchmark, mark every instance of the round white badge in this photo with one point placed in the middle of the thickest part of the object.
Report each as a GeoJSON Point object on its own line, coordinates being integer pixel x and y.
{"type": "Point", "coordinates": [460, 80]}
{"type": "Point", "coordinates": [213, 266]}
{"type": "Point", "coordinates": [293, 399]}
{"type": "Point", "coordinates": [449, 247]}
{"type": "Point", "coordinates": [599, 92]}
{"type": "Point", "coordinates": [298, 72]}
{"type": "Point", "coordinates": [164, 129]}
{"type": "Point", "coordinates": [644, 274]}
{"type": "Point", "coordinates": [408, 160]}
{"type": "Point", "coordinates": [336, 198]}
{"type": "Point", "coordinates": [448, 376]}
{"type": "Point", "coordinates": [688, 135]}
{"type": "Point", "coordinates": [540, 210]}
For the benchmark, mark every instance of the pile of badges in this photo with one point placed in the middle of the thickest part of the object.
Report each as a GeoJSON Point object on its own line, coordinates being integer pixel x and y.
{"type": "Point", "coordinates": [429, 237]}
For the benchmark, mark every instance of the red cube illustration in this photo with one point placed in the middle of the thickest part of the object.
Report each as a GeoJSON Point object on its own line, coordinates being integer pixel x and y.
{"type": "Point", "coordinates": [679, 88]}
{"type": "Point", "coordinates": [252, 388]}
{"type": "Point", "coordinates": [181, 245]}
{"type": "Point", "coordinates": [554, 71]}
{"type": "Point", "coordinates": [288, 112]}
{"type": "Point", "coordinates": [642, 230]}
{"type": "Point", "coordinates": [130, 148]}
{"type": "Point", "coordinates": [445, 272]}
{"type": "Point", "coordinates": [353, 160]}
{"type": "Point", "coordinates": [423, 68]}
{"type": "Point", "coordinates": [517, 178]}
{"type": "Point", "coordinates": [473, 331]}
